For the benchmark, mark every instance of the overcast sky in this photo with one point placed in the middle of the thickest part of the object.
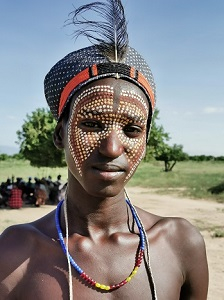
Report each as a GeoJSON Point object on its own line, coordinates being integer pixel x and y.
{"type": "Point", "coordinates": [182, 41]}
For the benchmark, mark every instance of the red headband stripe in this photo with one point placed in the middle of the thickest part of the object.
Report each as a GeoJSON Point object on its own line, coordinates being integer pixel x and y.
{"type": "Point", "coordinates": [70, 86]}
{"type": "Point", "coordinates": [144, 82]}
{"type": "Point", "coordinates": [92, 72]}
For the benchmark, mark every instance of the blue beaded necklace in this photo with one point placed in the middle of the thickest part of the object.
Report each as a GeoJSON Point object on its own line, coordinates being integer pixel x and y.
{"type": "Point", "coordinates": [83, 275]}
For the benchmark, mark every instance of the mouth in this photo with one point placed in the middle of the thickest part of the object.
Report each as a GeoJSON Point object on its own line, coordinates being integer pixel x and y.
{"type": "Point", "coordinates": [108, 171]}
{"type": "Point", "coordinates": [108, 168]}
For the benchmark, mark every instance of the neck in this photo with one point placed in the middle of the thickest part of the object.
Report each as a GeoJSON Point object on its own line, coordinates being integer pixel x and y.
{"type": "Point", "coordinates": [91, 216]}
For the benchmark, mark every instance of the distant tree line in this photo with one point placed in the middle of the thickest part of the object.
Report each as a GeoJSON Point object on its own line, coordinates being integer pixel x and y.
{"type": "Point", "coordinates": [36, 144]}
{"type": "Point", "coordinates": [19, 156]}
{"type": "Point", "coordinates": [206, 158]}
{"type": "Point", "coordinates": [4, 156]}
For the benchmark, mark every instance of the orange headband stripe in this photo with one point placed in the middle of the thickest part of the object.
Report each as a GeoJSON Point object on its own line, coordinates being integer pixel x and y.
{"type": "Point", "coordinates": [70, 86]}
{"type": "Point", "coordinates": [144, 82]}
{"type": "Point", "coordinates": [85, 75]}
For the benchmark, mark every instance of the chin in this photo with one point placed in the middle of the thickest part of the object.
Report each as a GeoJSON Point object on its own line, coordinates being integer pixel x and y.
{"type": "Point", "coordinates": [99, 186]}
{"type": "Point", "coordinates": [105, 191]}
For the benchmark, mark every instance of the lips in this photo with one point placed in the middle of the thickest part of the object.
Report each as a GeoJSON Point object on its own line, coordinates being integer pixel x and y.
{"type": "Point", "coordinates": [108, 168]}
{"type": "Point", "coordinates": [108, 171]}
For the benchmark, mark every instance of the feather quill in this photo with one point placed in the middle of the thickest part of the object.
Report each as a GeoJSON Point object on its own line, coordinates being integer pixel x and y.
{"type": "Point", "coordinates": [108, 32]}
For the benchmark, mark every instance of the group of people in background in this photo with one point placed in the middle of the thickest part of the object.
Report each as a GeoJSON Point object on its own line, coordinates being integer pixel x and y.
{"type": "Point", "coordinates": [37, 192]}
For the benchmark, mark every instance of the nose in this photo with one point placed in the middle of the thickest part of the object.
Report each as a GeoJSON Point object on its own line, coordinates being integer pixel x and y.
{"type": "Point", "coordinates": [111, 145]}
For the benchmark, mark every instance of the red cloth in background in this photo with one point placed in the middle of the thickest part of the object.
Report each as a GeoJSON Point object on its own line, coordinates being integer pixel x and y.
{"type": "Point", "coordinates": [15, 199]}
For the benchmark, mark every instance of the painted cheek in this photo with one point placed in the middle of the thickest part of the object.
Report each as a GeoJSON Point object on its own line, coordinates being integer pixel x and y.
{"type": "Point", "coordinates": [82, 144]}
{"type": "Point", "coordinates": [134, 155]}
{"type": "Point", "coordinates": [135, 148]}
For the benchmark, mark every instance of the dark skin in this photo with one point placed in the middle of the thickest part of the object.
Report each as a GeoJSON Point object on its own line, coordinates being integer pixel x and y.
{"type": "Point", "coordinates": [101, 241]}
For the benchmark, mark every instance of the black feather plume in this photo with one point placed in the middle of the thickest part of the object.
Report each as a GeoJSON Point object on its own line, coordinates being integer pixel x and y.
{"type": "Point", "coordinates": [109, 32]}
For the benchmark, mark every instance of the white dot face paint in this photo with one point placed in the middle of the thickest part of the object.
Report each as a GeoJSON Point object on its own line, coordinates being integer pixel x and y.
{"type": "Point", "coordinates": [96, 113]}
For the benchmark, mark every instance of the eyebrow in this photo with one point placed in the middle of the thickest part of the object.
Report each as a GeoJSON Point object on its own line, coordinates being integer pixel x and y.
{"type": "Point", "coordinates": [135, 118]}
{"type": "Point", "coordinates": [87, 111]}
{"type": "Point", "coordinates": [92, 112]}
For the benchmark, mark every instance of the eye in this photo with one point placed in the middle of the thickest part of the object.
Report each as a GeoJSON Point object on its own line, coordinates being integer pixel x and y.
{"type": "Point", "coordinates": [91, 125]}
{"type": "Point", "coordinates": [133, 131]}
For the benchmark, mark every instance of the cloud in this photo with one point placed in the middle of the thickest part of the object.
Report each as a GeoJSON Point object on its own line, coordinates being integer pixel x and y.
{"type": "Point", "coordinates": [213, 110]}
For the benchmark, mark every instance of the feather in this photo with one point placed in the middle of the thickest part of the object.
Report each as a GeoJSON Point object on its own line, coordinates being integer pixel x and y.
{"type": "Point", "coordinates": [108, 32]}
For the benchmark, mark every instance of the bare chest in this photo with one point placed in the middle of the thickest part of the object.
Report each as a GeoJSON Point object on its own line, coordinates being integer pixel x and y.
{"type": "Point", "coordinates": [47, 277]}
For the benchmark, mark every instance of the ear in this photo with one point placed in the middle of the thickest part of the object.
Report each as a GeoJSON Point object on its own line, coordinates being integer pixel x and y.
{"type": "Point", "coordinates": [58, 137]}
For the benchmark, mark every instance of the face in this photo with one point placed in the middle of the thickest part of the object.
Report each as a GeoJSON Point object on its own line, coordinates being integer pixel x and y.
{"type": "Point", "coordinates": [107, 133]}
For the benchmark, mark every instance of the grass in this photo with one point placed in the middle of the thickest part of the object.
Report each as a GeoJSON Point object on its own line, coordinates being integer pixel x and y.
{"type": "Point", "coordinates": [191, 179]}
{"type": "Point", "coordinates": [218, 233]}
{"type": "Point", "coordinates": [20, 168]}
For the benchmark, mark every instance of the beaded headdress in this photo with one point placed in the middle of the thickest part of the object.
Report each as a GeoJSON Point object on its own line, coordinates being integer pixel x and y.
{"type": "Point", "coordinates": [109, 56]}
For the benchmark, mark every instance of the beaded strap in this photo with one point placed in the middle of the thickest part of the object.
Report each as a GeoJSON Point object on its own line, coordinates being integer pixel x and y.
{"type": "Point", "coordinates": [146, 254]}
{"type": "Point", "coordinates": [83, 275]}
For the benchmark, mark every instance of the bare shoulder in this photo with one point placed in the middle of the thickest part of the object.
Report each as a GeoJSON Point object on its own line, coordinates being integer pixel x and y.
{"type": "Point", "coordinates": [23, 237]}
{"type": "Point", "coordinates": [177, 240]}
{"type": "Point", "coordinates": [16, 237]}
{"type": "Point", "coordinates": [179, 231]}
{"type": "Point", "coordinates": [18, 245]}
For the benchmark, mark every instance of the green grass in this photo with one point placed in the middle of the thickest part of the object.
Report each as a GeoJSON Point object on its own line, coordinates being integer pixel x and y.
{"type": "Point", "coordinates": [218, 233]}
{"type": "Point", "coordinates": [191, 179]}
{"type": "Point", "coordinates": [19, 168]}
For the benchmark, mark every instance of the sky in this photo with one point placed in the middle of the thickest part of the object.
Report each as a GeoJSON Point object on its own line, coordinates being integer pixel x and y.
{"type": "Point", "coordinates": [182, 41]}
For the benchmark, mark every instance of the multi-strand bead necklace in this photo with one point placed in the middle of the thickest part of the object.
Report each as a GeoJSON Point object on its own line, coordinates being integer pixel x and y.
{"type": "Point", "coordinates": [82, 274]}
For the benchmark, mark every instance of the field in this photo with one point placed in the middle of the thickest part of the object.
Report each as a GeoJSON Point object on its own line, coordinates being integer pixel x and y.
{"type": "Point", "coordinates": [198, 180]}
{"type": "Point", "coordinates": [20, 168]}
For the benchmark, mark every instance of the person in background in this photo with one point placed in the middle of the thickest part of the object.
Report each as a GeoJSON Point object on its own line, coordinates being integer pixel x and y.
{"type": "Point", "coordinates": [40, 192]}
{"type": "Point", "coordinates": [15, 198]}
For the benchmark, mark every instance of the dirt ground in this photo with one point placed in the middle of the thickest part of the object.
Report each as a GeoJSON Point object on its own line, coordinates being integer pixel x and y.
{"type": "Point", "coordinates": [206, 215]}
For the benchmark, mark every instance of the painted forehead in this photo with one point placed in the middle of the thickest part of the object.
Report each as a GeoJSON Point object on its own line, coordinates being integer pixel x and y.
{"type": "Point", "coordinates": [126, 103]}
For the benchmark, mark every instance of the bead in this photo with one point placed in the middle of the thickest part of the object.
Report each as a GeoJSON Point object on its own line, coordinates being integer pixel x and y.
{"type": "Point", "coordinates": [112, 287]}
{"type": "Point", "coordinates": [135, 270]}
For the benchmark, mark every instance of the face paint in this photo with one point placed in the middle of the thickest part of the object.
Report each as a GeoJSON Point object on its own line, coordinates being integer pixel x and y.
{"type": "Point", "coordinates": [100, 114]}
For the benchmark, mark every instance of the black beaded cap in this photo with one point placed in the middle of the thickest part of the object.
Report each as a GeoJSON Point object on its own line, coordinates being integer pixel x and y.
{"type": "Point", "coordinates": [75, 62]}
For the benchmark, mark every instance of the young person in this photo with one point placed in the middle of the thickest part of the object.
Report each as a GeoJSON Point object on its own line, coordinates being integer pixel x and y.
{"type": "Point", "coordinates": [97, 245]}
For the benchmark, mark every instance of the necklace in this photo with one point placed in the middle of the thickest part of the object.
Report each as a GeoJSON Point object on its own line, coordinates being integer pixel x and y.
{"type": "Point", "coordinates": [82, 274]}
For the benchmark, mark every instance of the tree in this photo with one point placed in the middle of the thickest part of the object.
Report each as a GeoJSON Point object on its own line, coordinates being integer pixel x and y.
{"type": "Point", "coordinates": [157, 139]}
{"type": "Point", "coordinates": [36, 140]}
{"type": "Point", "coordinates": [170, 155]}
{"type": "Point", "coordinates": [158, 148]}
{"type": "Point", "coordinates": [4, 156]}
